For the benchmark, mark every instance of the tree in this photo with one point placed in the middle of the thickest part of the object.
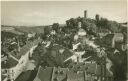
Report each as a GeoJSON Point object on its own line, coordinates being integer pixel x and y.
{"type": "Point", "coordinates": [72, 23]}
{"type": "Point", "coordinates": [119, 72]}
{"type": "Point", "coordinates": [55, 26]}
{"type": "Point", "coordinates": [103, 23]}
{"type": "Point", "coordinates": [47, 30]}
{"type": "Point", "coordinates": [89, 25]}
{"type": "Point", "coordinates": [114, 26]}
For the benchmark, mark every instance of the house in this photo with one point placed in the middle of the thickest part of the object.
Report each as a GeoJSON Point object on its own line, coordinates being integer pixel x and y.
{"type": "Point", "coordinates": [91, 68]}
{"type": "Point", "coordinates": [112, 40]}
{"type": "Point", "coordinates": [51, 74]}
{"type": "Point", "coordinates": [118, 37]}
{"type": "Point", "coordinates": [59, 74]}
{"type": "Point", "coordinates": [30, 35]}
{"type": "Point", "coordinates": [81, 32]}
{"type": "Point", "coordinates": [102, 34]}
{"type": "Point", "coordinates": [53, 32]}
{"type": "Point", "coordinates": [17, 62]}
{"type": "Point", "coordinates": [75, 76]}
{"type": "Point", "coordinates": [88, 71]}
{"type": "Point", "coordinates": [44, 74]}
{"type": "Point", "coordinates": [77, 57]}
{"type": "Point", "coordinates": [79, 24]}
{"type": "Point", "coordinates": [124, 24]}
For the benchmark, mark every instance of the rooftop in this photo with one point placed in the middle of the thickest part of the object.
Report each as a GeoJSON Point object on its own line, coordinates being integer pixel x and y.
{"type": "Point", "coordinates": [59, 73]}
{"type": "Point", "coordinates": [11, 62]}
{"type": "Point", "coordinates": [76, 73]}
{"type": "Point", "coordinates": [73, 76]}
{"type": "Point", "coordinates": [44, 74]}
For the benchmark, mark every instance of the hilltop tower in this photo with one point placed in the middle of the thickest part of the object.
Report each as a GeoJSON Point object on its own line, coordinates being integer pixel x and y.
{"type": "Point", "coordinates": [85, 14]}
{"type": "Point", "coordinates": [97, 17]}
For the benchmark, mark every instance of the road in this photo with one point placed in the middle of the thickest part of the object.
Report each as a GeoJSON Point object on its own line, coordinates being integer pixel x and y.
{"type": "Point", "coordinates": [14, 72]}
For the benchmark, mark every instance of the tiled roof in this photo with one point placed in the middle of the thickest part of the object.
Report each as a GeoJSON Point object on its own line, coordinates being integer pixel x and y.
{"type": "Point", "coordinates": [91, 68]}
{"type": "Point", "coordinates": [12, 62]}
{"type": "Point", "coordinates": [103, 34]}
{"type": "Point", "coordinates": [73, 76]}
{"type": "Point", "coordinates": [98, 72]}
{"type": "Point", "coordinates": [69, 74]}
{"type": "Point", "coordinates": [44, 74]}
{"type": "Point", "coordinates": [59, 73]}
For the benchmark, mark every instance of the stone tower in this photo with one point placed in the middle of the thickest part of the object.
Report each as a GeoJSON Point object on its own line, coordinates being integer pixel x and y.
{"type": "Point", "coordinates": [85, 14]}
{"type": "Point", "coordinates": [97, 17]}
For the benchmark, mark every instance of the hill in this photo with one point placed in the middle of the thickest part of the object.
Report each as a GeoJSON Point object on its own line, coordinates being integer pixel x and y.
{"type": "Point", "coordinates": [36, 29]}
{"type": "Point", "coordinates": [22, 29]}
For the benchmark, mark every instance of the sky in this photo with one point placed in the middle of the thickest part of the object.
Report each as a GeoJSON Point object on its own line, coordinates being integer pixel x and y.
{"type": "Point", "coordinates": [35, 13]}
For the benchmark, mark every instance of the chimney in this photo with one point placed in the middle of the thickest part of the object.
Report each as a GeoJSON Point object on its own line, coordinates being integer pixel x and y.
{"type": "Point", "coordinates": [97, 17]}
{"type": "Point", "coordinates": [85, 14]}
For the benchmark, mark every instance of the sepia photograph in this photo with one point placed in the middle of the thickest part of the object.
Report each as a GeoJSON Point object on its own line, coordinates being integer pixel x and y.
{"type": "Point", "coordinates": [64, 40]}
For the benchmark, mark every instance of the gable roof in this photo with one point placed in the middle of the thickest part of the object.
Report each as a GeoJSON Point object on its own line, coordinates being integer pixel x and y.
{"type": "Point", "coordinates": [73, 76]}
{"type": "Point", "coordinates": [91, 68]}
{"type": "Point", "coordinates": [11, 62]}
{"type": "Point", "coordinates": [59, 73]}
{"type": "Point", "coordinates": [69, 74]}
{"type": "Point", "coordinates": [44, 74]}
